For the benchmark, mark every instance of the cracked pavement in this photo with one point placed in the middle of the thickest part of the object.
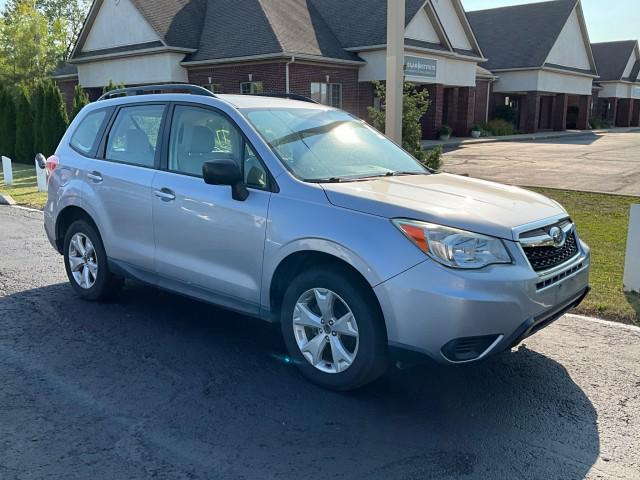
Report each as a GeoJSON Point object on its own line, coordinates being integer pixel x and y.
{"type": "Point", "coordinates": [607, 163]}
{"type": "Point", "coordinates": [158, 386]}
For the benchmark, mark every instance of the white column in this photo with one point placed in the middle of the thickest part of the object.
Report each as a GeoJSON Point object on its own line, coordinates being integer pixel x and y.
{"type": "Point", "coordinates": [395, 68]}
{"type": "Point", "coordinates": [632, 262]}
{"type": "Point", "coordinates": [41, 176]}
{"type": "Point", "coordinates": [7, 170]}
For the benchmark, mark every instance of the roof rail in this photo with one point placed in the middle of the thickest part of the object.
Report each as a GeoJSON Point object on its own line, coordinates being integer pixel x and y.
{"type": "Point", "coordinates": [290, 96]}
{"type": "Point", "coordinates": [150, 89]}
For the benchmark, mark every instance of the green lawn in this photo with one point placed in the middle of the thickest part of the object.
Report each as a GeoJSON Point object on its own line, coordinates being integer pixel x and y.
{"type": "Point", "coordinates": [602, 222]}
{"type": "Point", "coordinates": [24, 189]}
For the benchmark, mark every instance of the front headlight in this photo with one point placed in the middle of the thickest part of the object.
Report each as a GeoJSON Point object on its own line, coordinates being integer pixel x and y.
{"type": "Point", "coordinates": [452, 247]}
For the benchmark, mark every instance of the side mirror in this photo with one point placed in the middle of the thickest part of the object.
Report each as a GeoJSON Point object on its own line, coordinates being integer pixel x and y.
{"type": "Point", "coordinates": [226, 172]}
{"type": "Point", "coordinates": [42, 161]}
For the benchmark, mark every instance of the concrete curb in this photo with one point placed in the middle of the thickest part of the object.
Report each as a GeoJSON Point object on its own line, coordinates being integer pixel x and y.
{"type": "Point", "coordinates": [608, 323]}
{"type": "Point", "coordinates": [6, 199]}
{"type": "Point", "coordinates": [449, 144]}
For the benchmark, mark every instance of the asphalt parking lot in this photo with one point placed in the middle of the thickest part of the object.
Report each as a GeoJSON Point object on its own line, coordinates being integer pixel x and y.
{"type": "Point", "coordinates": [159, 386]}
{"type": "Point", "coordinates": [607, 163]}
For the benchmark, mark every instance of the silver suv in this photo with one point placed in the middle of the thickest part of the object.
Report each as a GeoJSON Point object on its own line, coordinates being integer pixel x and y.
{"type": "Point", "coordinates": [301, 214]}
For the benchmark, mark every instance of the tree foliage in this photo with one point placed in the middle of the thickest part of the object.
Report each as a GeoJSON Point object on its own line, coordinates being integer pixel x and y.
{"type": "Point", "coordinates": [36, 36]}
{"type": "Point", "coordinates": [24, 127]}
{"type": "Point", "coordinates": [110, 87]}
{"type": "Point", "coordinates": [7, 124]}
{"type": "Point", "coordinates": [415, 105]}
{"type": "Point", "coordinates": [80, 100]}
{"type": "Point", "coordinates": [54, 119]}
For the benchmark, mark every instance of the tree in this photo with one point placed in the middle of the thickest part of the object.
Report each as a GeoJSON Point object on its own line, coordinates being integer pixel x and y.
{"type": "Point", "coordinates": [37, 109]}
{"type": "Point", "coordinates": [66, 18]}
{"type": "Point", "coordinates": [24, 127]}
{"type": "Point", "coordinates": [415, 105]}
{"type": "Point", "coordinates": [7, 124]}
{"type": "Point", "coordinates": [110, 87]}
{"type": "Point", "coordinates": [54, 118]}
{"type": "Point", "coordinates": [80, 100]}
{"type": "Point", "coordinates": [28, 48]}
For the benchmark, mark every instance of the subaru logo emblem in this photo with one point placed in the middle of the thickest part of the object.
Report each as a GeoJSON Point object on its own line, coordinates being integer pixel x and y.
{"type": "Point", "coordinates": [558, 236]}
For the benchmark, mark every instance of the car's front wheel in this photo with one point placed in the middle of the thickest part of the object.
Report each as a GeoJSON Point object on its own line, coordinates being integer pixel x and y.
{"type": "Point", "coordinates": [86, 264]}
{"type": "Point", "coordinates": [333, 329]}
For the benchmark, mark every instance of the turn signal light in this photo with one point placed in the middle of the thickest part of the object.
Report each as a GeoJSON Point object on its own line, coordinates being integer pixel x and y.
{"type": "Point", "coordinates": [416, 234]}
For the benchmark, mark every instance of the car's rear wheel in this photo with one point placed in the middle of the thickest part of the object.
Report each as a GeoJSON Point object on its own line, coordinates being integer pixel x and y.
{"type": "Point", "coordinates": [333, 329]}
{"type": "Point", "coordinates": [86, 263]}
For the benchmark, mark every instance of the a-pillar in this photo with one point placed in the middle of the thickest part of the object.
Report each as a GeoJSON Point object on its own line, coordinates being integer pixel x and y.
{"type": "Point", "coordinates": [584, 112]}
{"type": "Point", "coordinates": [466, 111]}
{"type": "Point", "coordinates": [560, 106]}
{"type": "Point", "coordinates": [432, 120]}
{"type": "Point", "coordinates": [635, 118]}
{"type": "Point", "coordinates": [530, 114]}
{"type": "Point", "coordinates": [625, 109]}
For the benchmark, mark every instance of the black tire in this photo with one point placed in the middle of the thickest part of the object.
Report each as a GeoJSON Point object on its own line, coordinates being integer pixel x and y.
{"type": "Point", "coordinates": [106, 285]}
{"type": "Point", "coordinates": [371, 359]}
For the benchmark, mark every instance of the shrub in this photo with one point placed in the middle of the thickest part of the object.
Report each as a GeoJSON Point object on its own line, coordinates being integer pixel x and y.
{"type": "Point", "coordinates": [80, 100]}
{"type": "Point", "coordinates": [599, 123]}
{"type": "Point", "coordinates": [505, 112]}
{"type": "Point", "coordinates": [7, 124]}
{"type": "Point", "coordinates": [433, 158]}
{"type": "Point", "coordinates": [111, 87]}
{"type": "Point", "coordinates": [37, 109]}
{"type": "Point", "coordinates": [499, 127]}
{"type": "Point", "coordinates": [24, 127]}
{"type": "Point", "coordinates": [476, 128]}
{"type": "Point", "coordinates": [415, 105]}
{"type": "Point", "coordinates": [445, 131]}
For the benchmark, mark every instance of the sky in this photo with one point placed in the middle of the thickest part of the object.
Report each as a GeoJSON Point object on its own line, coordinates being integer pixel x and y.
{"type": "Point", "coordinates": [607, 20]}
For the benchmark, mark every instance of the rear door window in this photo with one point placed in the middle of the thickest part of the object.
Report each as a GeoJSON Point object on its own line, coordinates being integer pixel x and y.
{"type": "Point", "coordinates": [134, 136]}
{"type": "Point", "coordinates": [86, 138]}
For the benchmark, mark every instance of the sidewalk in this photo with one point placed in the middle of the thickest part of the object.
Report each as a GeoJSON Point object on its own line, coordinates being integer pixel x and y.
{"type": "Point", "coordinates": [457, 141]}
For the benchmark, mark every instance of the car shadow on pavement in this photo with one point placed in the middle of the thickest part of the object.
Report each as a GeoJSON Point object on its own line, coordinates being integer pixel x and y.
{"type": "Point", "coordinates": [159, 383]}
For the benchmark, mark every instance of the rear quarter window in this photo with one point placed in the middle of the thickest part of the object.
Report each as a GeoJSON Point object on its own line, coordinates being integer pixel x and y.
{"type": "Point", "coordinates": [86, 138]}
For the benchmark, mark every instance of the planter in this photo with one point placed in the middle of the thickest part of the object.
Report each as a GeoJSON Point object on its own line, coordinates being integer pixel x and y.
{"type": "Point", "coordinates": [475, 134]}
{"type": "Point", "coordinates": [444, 137]}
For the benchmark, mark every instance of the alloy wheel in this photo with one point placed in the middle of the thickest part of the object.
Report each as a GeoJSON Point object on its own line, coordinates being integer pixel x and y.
{"type": "Point", "coordinates": [325, 330]}
{"type": "Point", "coordinates": [83, 261]}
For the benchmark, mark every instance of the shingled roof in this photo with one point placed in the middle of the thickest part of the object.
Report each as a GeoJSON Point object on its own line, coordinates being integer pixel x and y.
{"type": "Point", "coordinates": [276, 26]}
{"type": "Point", "coordinates": [223, 29]}
{"type": "Point", "coordinates": [520, 36]}
{"type": "Point", "coordinates": [612, 58]}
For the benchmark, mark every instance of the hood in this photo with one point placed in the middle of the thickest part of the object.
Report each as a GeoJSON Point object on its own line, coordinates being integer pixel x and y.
{"type": "Point", "coordinates": [460, 202]}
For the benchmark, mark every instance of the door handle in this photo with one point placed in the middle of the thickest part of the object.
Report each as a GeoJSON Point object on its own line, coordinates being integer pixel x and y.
{"type": "Point", "coordinates": [165, 195]}
{"type": "Point", "coordinates": [95, 177]}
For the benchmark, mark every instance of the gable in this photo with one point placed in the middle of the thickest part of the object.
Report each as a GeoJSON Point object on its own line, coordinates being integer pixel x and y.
{"type": "Point", "coordinates": [570, 49]}
{"type": "Point", "coordinates": [452, 24]}
{"type": "Point", "coordinates": [118, 23]}
{"type": "Point", "coordinates": [421, 28]}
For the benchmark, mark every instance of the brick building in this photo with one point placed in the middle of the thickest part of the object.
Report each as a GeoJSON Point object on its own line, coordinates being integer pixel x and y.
{"type": "Point", "coordinates": [542, 57]}
{"type": "Point", "coordinates": [619, 83]}
{"type": "Point", "coordinates": [330, 50]}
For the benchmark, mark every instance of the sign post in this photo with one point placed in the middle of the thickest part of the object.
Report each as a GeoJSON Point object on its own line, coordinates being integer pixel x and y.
{"type": "Point", "coordinates": [395, 68]}
{"type": "Point", "coordinates": [632, 262]}
{"type": "Point", "coordinates": [7, 171]}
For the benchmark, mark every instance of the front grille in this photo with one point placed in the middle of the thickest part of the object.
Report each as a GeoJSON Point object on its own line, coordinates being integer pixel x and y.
{"type": "Point", "coordinates": [546, 258]}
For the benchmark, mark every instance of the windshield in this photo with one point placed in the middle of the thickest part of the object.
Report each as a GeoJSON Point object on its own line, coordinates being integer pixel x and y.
{"type": "Point", "coordinates": [330, 145]}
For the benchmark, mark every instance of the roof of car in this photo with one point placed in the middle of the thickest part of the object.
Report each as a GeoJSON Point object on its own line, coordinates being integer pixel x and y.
{"type": "Point", "coordinates": [237, 101]}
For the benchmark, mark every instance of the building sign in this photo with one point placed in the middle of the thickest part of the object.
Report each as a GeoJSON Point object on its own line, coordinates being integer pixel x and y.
{"type": "Point", "coordinates": [420, 67]}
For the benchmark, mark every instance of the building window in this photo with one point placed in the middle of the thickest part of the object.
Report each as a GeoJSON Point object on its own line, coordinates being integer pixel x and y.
{"type": "Point", "coordinates": [251, 88]}
{"type": "Point", "coordinates": [213, 87]}
{"type": "Point", "coordinates": [327, 94]}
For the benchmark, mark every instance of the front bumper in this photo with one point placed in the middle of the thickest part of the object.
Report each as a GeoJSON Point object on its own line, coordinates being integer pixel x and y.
{"type": "Point", "coordinates": [459, 316]}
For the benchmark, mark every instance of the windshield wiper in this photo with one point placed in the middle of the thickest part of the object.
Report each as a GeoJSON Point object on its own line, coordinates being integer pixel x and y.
{"type": "Point", "coordinates": [327, 180]}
